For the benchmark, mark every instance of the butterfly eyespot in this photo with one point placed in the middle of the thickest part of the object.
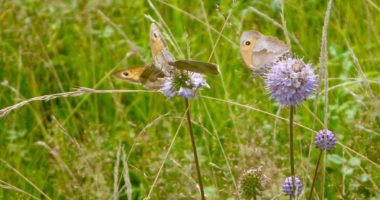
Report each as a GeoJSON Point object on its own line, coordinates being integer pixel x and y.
{"type": "Point", "coordinates": [125, 73]}
{"type": "Point", "coordinates": [247, 43]}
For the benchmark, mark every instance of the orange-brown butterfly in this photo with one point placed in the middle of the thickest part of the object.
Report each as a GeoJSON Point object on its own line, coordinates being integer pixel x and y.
{"type": "Point", "coordinates": [149, 77]}
{"type": "Point", "coordinates": [259, 51]}
{"type": "Point", "coordinates": [164, 64]}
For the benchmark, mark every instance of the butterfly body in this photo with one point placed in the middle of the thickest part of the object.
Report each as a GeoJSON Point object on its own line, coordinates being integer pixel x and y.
{"type": "Point", "coordinates": [259, 52]}
{"type": "Point", "coordinates": [160, 51]}
{"type": "Point", "coordinates": [149, 77]}
{"type": "Point", "coordinates": [164, 59]}
{"type": "Point", "coordinates": [164, 65]}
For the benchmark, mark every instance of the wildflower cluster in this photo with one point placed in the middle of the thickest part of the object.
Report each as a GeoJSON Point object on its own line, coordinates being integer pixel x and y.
{"type": "Point", "coordinates": [291, 81]}
{"type": "Point", "coordinates": [252, 183]}
{"type": "Point", "coordinates": [287, 188]}
{"type": "Point", "coordinates": [183, 84]}
{"type": "Point", "coordinates": [325, 140]}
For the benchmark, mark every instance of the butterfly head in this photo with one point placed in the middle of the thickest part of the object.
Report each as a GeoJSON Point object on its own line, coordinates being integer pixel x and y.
{"type": "Point", "coordinates": [132, 74]}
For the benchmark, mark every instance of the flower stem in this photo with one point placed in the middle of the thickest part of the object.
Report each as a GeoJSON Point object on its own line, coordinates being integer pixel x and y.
{"type": "Point", "coordinates": [315, 175]}
{"type": "Point", "coordinates": [292, 149]}
{"type": "Point", "coordinates": [194, 148]}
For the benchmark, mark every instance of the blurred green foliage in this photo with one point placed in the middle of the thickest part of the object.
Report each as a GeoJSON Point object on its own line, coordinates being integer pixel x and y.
{"type": "Point", "coordinates": [67, 147]}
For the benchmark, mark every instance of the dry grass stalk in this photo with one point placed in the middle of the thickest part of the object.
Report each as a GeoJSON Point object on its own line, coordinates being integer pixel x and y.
{"type": "Point", "coordinates": [77, 92]}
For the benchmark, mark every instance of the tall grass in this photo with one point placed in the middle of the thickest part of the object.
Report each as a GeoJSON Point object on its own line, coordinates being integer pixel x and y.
{"type": "Point", "coordinates": [67, 148]}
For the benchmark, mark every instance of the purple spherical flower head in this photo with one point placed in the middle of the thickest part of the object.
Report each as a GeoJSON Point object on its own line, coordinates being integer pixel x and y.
{"type": "Point", "coordinates": [291, 81]}
{"type": "Point", "coordinates": [198, 81]}
{"type": "Point", "coordinates": [325, 140]}
{"type": "Point", "coordinates": [167, 88]}
{"type": "Point", "coordinates": [287, 188]}
{"type": "Point", "coordinates": [186, 92]}
{"type": "Point", "coordinates": [183, 84]}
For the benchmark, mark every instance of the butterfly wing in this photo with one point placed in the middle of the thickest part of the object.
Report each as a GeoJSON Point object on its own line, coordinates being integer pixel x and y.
{"type": "Point", "coordinates": [267, 50]}
{"type": "Point", "coordinates": [272, 44]}
{"type": "Point", "coordinates": [160, 51]}
{"type": "Point", "coordinates": [131, 74]}
{"type": "Point", "coordinates": [149, 77]}
{"type": "Point", "coordinates": [196, 66]}
{"type": "Point", "coordinates": [248, 41]}
{"type": "Point", "coordinates": [152, 78]}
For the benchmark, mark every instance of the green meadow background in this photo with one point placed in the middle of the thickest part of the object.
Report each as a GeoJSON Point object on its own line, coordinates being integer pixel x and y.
{"type": "Point", "coordinates": [92, 146]}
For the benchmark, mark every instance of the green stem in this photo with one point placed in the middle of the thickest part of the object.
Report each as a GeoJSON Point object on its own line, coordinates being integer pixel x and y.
{"type": "Point", "coordinates": [292, 149]}
{"type": "Point", "coordinates": [194, 148]}
{"type": "Point", "coordinates": [323, 175]}
{"type": "Point", "coordinates": [315, 175]}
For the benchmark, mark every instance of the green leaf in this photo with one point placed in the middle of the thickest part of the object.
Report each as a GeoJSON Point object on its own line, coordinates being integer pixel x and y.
{"type": "Point", "coordinates": [355, 162]}
{"type": "Point", "coordinates": [15, 134]}
{"type": "Point", "coordinates": [210, 192]}
{"type": "Point", "coordinates": [347, 170]}
{"type": "Point", "coordinates": [336, 159]}
{"type": "Point", "coordinates": [364, 178]}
